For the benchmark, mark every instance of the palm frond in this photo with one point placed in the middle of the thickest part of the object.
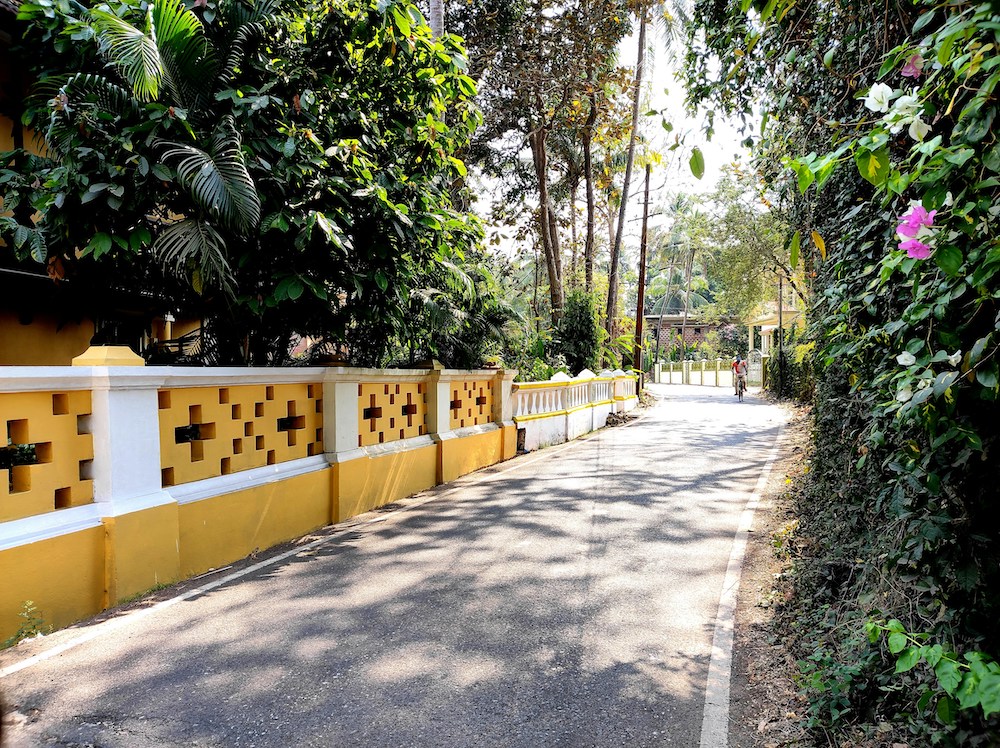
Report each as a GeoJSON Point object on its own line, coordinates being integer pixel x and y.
{"type": "Point", "coordinates": [132, 51]}
{"type": "Point", "coordinates": [237, 13]}
{"type": "Point", "coordinates": [194, 250]}
{"type": "Point", "coordinates": [247, 33]}
{"type": "Point", "coordinates": [187, 59]}
{"type": "Point", "coordinates": [219, 181]}
{"type": "Point", "coordinates": [83, 96]}
{"type": "Point", "coordinates": [248, 22]}
{"type": "Point", "coordinates": [458, 278]}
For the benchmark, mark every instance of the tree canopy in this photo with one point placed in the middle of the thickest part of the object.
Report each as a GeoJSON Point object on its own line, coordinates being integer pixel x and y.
{"type": "Point", "coordinates": [297, 165]}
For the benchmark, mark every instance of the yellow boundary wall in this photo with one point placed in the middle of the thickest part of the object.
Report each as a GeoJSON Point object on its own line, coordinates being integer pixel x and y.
{"type": "Point", "coordinates": [73, 563]}
{"type": "Point", "coordinates": [147, 526]}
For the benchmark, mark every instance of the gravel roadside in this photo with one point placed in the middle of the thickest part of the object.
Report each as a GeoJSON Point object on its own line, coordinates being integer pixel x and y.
{"type": "Point", "coordinates": [767, 710]}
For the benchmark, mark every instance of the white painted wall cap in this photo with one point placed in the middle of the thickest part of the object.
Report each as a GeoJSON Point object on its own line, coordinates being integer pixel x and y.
{"type": "Point", "coordinates": [560, 376]}
{"type": "Point", "coordinates": [586, 374]}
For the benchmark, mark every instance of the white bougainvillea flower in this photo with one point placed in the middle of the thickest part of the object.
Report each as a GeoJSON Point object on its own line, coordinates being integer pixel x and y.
{"type": "Point", "coordinates": [918, 129]}
{"type": "Point", "coordinates": [878, 98]}
{"type": "Point", "coordinates": [904, 394]}
{"type": "Point", "coordinates": [904, 111]}
{"type": "Point", "coordinates": [956, 358]}
{"type": "Point", "coordinates": [906, 359]}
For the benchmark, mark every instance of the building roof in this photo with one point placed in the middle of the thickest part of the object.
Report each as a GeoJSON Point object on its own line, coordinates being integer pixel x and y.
{"type": "Point", "coordinates": [769, 318]}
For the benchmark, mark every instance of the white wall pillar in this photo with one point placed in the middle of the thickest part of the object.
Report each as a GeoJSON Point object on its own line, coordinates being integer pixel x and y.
{"type": "Point", "coordinates": [340, 410]}
{"type": "Point", "coordinates": [125, 425]}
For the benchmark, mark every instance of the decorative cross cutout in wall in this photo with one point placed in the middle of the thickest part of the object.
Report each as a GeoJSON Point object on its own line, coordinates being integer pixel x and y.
{"type": "Point", "coordinates": [291, 423]}
{"type": "Point", "coordinates": [410, 409]}
{"type": "Point", "coordinates": [481, 400]}
{"type": "Point", "coordinates": [455, 405]}
{"type": "Point", "coordinates": [195, 433]}
{"type": "Point", "coordinates": [372, 413]}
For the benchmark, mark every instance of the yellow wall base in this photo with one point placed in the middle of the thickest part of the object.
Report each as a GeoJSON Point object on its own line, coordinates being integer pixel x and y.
{"type": "Point", "coordinates": [461, 456]}
{"type": "Point", "coordinates": [141, 550]}
{"type": "Point", "coordinates": [359, 485]}
{"type": "Point", "coordinates": [217, 531]}
{"type": "Point", "coordinates": [63, 577]}
{"type": "Point", "coordinates": [73, 576]}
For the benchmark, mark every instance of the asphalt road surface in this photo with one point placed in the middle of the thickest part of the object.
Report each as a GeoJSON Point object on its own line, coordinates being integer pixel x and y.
{"type": "Point", "coordinates": [566, 598]}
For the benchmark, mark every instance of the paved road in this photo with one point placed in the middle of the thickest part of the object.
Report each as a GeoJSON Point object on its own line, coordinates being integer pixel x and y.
{"type": "Point", "coordinates": [566, 598]}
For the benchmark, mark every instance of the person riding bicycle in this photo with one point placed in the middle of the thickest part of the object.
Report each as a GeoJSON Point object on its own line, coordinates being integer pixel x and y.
{"type": "Point", "coordinates": [739, 373]}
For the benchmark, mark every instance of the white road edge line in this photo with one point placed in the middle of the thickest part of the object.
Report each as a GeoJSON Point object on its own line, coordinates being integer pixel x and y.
{"type": "Point", "coordinates": [715, 721]}
{"type": "Point", "coordinates": [121, 621]}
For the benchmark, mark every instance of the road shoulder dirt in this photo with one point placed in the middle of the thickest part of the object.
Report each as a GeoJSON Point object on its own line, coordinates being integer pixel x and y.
{"type": "Point", "coordinates": [766, 709]}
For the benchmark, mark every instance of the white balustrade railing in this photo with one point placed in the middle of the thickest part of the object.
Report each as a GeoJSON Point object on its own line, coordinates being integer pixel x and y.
{"type": "Point", "coordinates": [562, 395]}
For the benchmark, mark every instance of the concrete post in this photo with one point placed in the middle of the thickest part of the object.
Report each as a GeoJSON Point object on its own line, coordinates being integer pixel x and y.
{"type": "Point", "coordinates": [140, 519]}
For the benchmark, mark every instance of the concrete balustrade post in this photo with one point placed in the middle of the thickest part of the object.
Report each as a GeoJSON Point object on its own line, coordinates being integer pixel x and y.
{"type": "Point", "coordinates": [140, 519]}
{"type": "Point", "coordinates": [438, 401]}
{"type": "Point", "coordinates": [503, 410]}
{"type": "Point", "coordinates": [340, 412]}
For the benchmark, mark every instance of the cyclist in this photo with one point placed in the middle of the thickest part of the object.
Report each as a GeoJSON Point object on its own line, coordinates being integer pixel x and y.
{"type": "Point", "coordinates": [739, 372]}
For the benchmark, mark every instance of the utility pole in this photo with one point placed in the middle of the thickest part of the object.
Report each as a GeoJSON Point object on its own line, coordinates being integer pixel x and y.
{"type": "Point", "coordinates": [637, 357]}
{"type": "Point", "coordinates": [781, 329]}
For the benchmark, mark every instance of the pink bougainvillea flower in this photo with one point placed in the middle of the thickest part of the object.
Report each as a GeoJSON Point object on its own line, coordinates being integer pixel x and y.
{"type": "Point", "coordinates": [915, 249]}
{"type": "Point", "coordinates": [911, 221]}
{"type": "Point", "coordinates": [913, 68]}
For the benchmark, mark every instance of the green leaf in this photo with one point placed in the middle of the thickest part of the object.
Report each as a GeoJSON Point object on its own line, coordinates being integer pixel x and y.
{"type": "Point", "coordinates": [793, 250]}
{"type": "Point", "coordinates": [162, 172]}
{"type": "Point", "coordinates": [949, 258]}
{"type": "Point", "coordinates": [987, 377]}
{"type": "Point", "coordinates": [948, 675]}
{"type": "Point", "coordinates": [946, 710]}
{"type": "Point", "coordinates": [873, 165]}
{"type": "Point", "coordinates": [923, 20]}
{"type": "Point", "coordinates": [805, 178]}
{"type": "Point", "coordinates": [381, 281]}
{"type": "Point", "coordinates": [401, 21]}
{"type": "Point", "coordinates": [897, 642]}
{"type": "Point", "coordinates": [99, 245]}
{"type": "Point", "coordinates": [907, 659]}
{"type": "Point", "coordinates": [697, 162]}
{"type": "Point", "coordinates": [989, 694]}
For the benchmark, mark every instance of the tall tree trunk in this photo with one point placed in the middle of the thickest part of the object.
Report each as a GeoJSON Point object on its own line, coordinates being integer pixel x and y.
{"type": "Point", "coordinates": [574, 239]}
{"type": "Point", "coordinates": [663, 304]}
{"type": "Point", "coordinates": [546, 222]}
{"type": "Point", "coordinates": [616, 247]}
{"type": "Point", "coordinates": [637, 358]}
{"type": "Point", "coordinates": [588, 175]}
{"type": "Point", "coordinates": [437, 17]}
{"type": "Point", "coordinates": [687, 300]}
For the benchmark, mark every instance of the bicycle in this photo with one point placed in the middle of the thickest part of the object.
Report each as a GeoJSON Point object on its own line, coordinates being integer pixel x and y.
{"type": "Point", "coordinates": [741, 385]}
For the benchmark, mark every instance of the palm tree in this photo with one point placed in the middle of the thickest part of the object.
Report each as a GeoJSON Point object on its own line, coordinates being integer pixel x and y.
{"type": "Point", "coordinates": [170, 63]}
{"type": "Point", "coordinates": [668, 23]}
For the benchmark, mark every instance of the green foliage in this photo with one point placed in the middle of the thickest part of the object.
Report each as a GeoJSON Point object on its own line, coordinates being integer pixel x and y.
{"type": "Point", "coordinates": [901, 509]}
{"type": "Point", "coordinates": [792, 373]}
{"type": "Point", "coordinates": [969, 682]}
{"type": "Point", "coordinates": [296, 166]}
{"type": "Point", "coordinates": [578, 336]}
{"type": "Point", "coordinates": [32, 624]}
